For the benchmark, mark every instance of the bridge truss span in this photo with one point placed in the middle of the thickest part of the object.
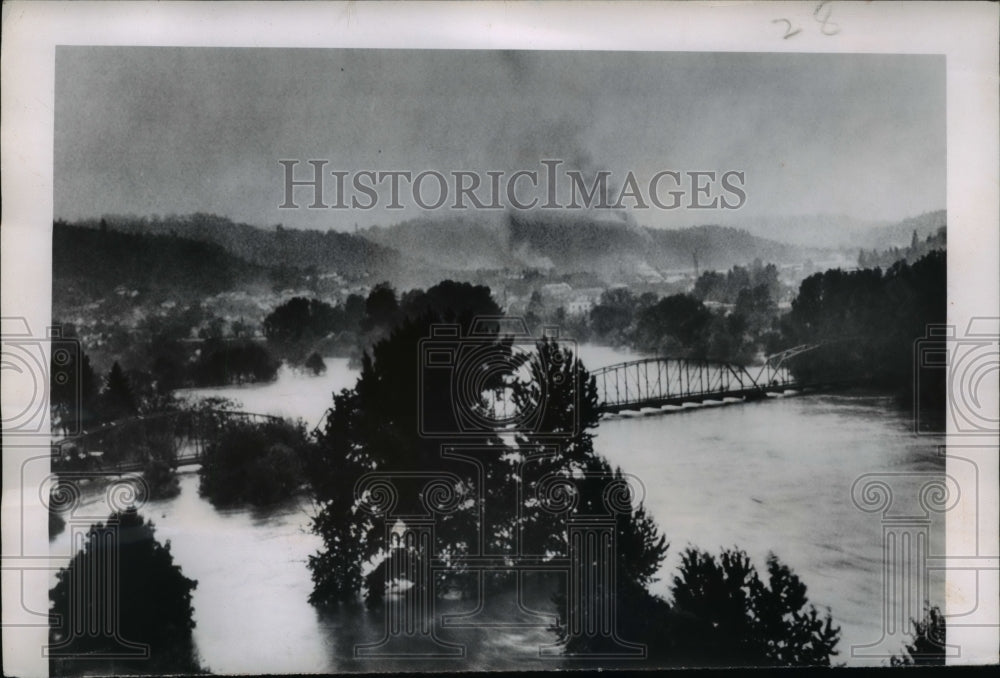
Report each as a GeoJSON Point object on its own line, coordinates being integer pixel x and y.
{"type": "Point", "coordinates": [655, 382]}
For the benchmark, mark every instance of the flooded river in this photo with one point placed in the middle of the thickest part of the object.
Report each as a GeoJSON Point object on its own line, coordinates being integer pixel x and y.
{"type": "Point", "coordinates": [770, 476]}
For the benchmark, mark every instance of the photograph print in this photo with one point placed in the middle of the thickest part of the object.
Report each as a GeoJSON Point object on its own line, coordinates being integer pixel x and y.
{"type": "Point", "coordinates": [379, 359]}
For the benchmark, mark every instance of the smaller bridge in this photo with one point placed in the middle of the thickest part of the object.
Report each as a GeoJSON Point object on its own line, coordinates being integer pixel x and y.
{"type": "Point", "coordinates": [657, 382]}
{"type": "Point", "coordinates": [127, 445]}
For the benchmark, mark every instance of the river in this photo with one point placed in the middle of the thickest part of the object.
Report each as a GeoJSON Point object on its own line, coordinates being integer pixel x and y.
{"type": "Point", "coordinates": [766, 476]}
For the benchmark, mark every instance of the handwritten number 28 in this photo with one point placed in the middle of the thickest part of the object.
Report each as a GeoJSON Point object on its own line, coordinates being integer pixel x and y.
{"type": "Point", "coordinates": [821, 14]}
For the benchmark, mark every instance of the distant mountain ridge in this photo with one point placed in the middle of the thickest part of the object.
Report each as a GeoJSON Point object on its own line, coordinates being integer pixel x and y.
{"type": "Point", "coordinates": [326, 250]}
{"type": "Point", "coordinates": [426, 250]}
{"type": "Point", "coordinates": [90, 263]}
{"type": "Point", "coordinates": [838, 231]}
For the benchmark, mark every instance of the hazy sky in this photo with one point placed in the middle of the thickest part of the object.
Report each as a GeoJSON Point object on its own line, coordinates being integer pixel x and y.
{"type": "Point", "coordinates": [177, 130]}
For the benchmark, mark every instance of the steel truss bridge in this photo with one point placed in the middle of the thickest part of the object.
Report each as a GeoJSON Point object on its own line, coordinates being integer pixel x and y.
{"type": "Point", "coordinates": [659, 382]}
{"type": "Point", "coordinates": [125, 446]}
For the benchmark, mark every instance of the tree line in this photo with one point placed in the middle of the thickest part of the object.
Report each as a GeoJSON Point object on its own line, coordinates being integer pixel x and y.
{"type": "Point", "coordinates": [866, 323]}
{"type": "Point", "coordinates": [916, 249]}
{"type": "Point", "coordinates": [727, 317]}
{"type": "Point", "coordinates": [81, 400]}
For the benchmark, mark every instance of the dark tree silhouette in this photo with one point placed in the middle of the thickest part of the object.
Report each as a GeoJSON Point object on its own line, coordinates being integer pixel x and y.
{"type": "Point", "coordinates": [161, 479]}
{"type": "Point", "coordinates": [675, 326]}
{"type": "Point", "coordinates": [565, 397]}
{"type": "Point", "coordinates": [381, 308]}
{"type": "Point", "coordinates": [450, 301]}
{"type": "Point", "coordinates": [74, 390]}
{"type": "Point", "coordinates": [729, 616]}
{"type": "Point", "coordinates": [726, 288]}
{"type": "Point", "coordinates": [376, 425]}
{"type": "Point", "coordinates": [153, 601]}
{"type": "Point", "coordinates": [354, 312]}
{"type": "Point", "coordinates": [314, 363]}
{"type": "Point", "coordinates": [868, 322]}
{"type": "Point", "coordinates": [300, 318]}
{"type": "Point", "coordinates": [612, 316]}
{"type": "Point", "coordinates": [927, 647]}
{"type": "Point", "coordinates": [251, 463]}
{"type": "Point", "coordinates": [238, 362]}
{"type": "Point", "coordinates": [118, 400]}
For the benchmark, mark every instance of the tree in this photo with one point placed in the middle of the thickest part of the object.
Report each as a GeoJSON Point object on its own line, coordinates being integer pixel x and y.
{"type": "Point", "coordinates": [236, 362]}
{"type": "Point", "coordinates": [118, 399]}
{"type": "Point", "coordinates": [710, 286]}
{"type": "Point", "coordinates": [314, 363]}
{"type": "Point", "coordinates": [354, 312]}
{"type": "Point", "coordinates": [251, 463]}
{"type": "Point", "coordinates": [731, 617]}
{"type": "Point", "coordinates": [295, 328]}
{"type": "Point", "coordinates": [729, 340]}
{"type": "Point", "coordinates": [161, 479]}
{"type": "Point", "coordinates": [612, 316]}
{"type": "Point", "coordinates": [450, 301]}
{"type": "Point", "coordinates": [376, 426]}
{"type": "Point", "coordinates": [300, 318]}
{"type": "Point", "coordinates": [675, 324]}
{"type": "Point", "coordinates": [757, 306]}
{"type": "Point", "coordinates": [568, 394]}
{"type": "Point", "coordinates": [536, 309]}
{"type": "Point", "coordinates": [215, 329]}
{"type": "Point", "coordinates": [153, 601]}
{"type": "Point", "coordinates": [149, 394]}
{"type": "Point", "coordinates": [867, 322]}
{"type": "Point", "coordinates": [74, 389]}
{"type": "Point", "coordinates": [381, 308]}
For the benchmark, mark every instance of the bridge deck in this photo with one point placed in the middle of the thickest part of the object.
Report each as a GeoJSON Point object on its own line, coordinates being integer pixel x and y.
{"type": "Point", "coordinates": [678, 400]}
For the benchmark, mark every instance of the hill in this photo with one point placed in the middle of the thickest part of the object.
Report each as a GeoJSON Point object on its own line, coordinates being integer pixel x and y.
{"type": "Point", "coordinates": [344, 253]}
{"type": "Point", "coordinates": [90, 263]}
{"type": "Point", "coordinates": [844, 232]}
{"type": "Point", "coordinates": [422, 251]}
